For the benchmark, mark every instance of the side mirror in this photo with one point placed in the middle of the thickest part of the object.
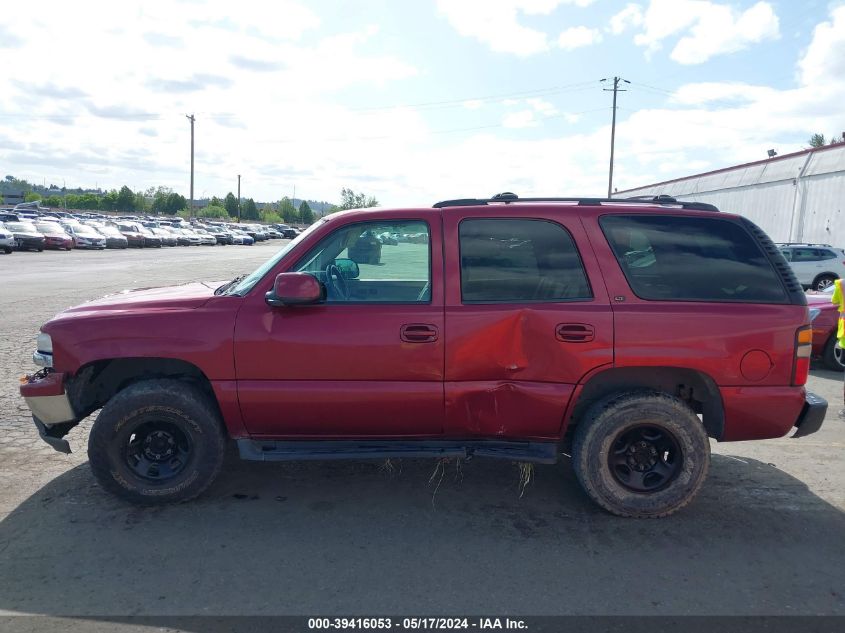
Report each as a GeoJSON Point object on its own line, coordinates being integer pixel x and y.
{"type": "Point", "coordinates": [347, 268]}
{"type": "Point", "coordinates": [292, 289]}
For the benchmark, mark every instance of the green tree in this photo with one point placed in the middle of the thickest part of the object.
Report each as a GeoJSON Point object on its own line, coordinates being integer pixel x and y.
{"type": "Point", "coordinates": [212, 211]}
{"type": "Point", "coordinates": [52, 201]}
{"type": "Point", "coordinates": [109, 201]}
{"type": "Point", "coordinates": [159, 195]}
{"type": "Point", "coordinates": [817, 140]}
{"type": "Point", "coordinates": [125, 199]}
{"type": "Point", "coordinates": [351, 200]}
{"type": "Point", "coordinates": [231, 205]}
{"type": "Point", "coordinates": [31, 197]}
{"type": "Point", "coordinates": [288, 211]}
{"type": "Point", "coordinates": [306, 215]}
{"type": "Point", "coordinates": [175, 203]}
{"type": "Point", "coordinates": [140, 201]}
{"type": "Point", "coordinates": [269, 216]}
{"type": "Point", "coordinates": [249, 210]}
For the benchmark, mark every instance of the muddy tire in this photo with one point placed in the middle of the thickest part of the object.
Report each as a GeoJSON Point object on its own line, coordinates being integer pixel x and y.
{"type": "Point", "coordinates": [641, 454]}
{"type": "Point", "coordinates": [157, 442]}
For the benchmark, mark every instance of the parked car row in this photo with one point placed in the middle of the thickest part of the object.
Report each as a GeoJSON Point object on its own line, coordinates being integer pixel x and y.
{"type": "Point", "coordinates": [38, 230]}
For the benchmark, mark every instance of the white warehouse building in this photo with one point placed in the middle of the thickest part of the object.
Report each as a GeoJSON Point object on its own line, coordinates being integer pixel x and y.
{"type": "Point", "coordinates": [794, 198]}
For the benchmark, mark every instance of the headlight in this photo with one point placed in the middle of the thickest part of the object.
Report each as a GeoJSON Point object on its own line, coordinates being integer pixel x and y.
{"type": "Point", "coordinates": [44, 343]}
{"type": "Point", "coordinates": [814, 312]}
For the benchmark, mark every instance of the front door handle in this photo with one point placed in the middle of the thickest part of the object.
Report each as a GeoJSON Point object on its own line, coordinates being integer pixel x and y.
{"type": "Point", "coordinates": [418, 333]}
{"type": "Point", "coordinates": [575, 332]}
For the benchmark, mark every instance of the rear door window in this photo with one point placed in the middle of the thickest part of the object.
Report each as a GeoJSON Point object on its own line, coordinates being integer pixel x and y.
{"type": "Point", "coordinates": [507, 260]}
{"type": "Point", "coordinates": [675, 258]}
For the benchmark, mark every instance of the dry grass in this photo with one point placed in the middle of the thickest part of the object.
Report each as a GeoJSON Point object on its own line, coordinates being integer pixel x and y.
{"type": "Point", "coordinates": [526, 474]}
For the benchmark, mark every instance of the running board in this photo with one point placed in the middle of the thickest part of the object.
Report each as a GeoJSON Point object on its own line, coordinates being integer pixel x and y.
{"type": "Point", "coordinates": [295, 450]}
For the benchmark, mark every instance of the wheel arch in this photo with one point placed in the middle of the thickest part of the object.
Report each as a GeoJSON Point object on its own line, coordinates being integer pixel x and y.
{"type": "Point", "coordinates": [694, 387]}
{"type": "Point", "coordinates": [97, 382]}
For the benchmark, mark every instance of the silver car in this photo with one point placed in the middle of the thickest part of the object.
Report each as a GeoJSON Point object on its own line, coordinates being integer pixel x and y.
{"type": "Point", "coordinates": [7, 239]}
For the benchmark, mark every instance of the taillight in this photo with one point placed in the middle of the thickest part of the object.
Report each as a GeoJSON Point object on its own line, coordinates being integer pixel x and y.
{"type": "Point", "coordinates": [803, 350]}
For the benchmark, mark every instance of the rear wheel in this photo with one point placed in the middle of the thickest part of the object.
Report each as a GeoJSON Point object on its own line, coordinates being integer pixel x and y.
{"type": "Point", "coordinates": [823, 282]}
{"type": "Point", "coordinates": [156, 442]}
{"type": "Point", "coordinates": [641, 454]}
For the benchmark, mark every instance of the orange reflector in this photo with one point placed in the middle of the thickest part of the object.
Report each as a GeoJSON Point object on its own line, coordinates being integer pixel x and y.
{"type": "Point", "coordinates": [805, 336]}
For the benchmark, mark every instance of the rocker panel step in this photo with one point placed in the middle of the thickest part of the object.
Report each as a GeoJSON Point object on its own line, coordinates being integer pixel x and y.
{"type": "Point", "coordinates": [298, 450]}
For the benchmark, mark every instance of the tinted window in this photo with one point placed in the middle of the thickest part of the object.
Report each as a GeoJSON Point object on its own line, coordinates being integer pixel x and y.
{"type": "Point", "coordinates": [805, 255]}
{"type": "Point", "coordinates": [691, 259]}
{"type": "Point", "coordinates": [380, 262]}
{"type": "Point", "coordinates": [506, 260]}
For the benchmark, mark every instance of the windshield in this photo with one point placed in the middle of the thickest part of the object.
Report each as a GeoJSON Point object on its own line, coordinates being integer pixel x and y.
{"type": "Point", "coordinates": [49, 227]}
{"type": "Point", "coordinates": [20, 226]}
{"type": "Point", "coordinates": [247, 283]}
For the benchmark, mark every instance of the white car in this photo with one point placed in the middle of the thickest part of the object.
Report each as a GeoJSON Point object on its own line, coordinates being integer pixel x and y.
{"type": "Point", "coordinates": [816, 266]}
{"type": "Point", "coordinates": [7, 239]}
{"type": "Point", "coordinates": [207, 238]}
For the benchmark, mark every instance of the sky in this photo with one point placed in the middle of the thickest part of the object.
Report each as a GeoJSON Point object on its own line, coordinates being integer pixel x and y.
{"type": "Point", "coordinates": [410, 101]}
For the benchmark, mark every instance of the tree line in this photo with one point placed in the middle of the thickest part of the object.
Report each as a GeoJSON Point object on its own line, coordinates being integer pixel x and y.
{"type": "Point", "coordinates": [164, 201]}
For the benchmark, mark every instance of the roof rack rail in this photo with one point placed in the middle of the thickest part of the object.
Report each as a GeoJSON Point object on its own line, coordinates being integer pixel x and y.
{"type": "Point", "coordinates": [802, 244]}
{"type": "Point", "coordinates": [507, 198]}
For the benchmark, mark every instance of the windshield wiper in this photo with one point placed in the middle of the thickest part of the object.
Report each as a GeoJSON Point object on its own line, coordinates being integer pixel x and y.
{"type": "Point", "coordinates": [222, 289]}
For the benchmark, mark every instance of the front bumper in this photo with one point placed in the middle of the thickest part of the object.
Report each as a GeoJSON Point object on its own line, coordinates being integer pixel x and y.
{"type": "Point", "coordinates": [26, 243]}
{"type": "Point", "coordinates": [52, 412]}
{"type": "Point", "coordinates": [812, 415]}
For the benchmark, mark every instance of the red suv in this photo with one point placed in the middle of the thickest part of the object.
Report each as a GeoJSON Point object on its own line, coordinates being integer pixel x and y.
{"type": "Point", "coordinates": [624, 332]}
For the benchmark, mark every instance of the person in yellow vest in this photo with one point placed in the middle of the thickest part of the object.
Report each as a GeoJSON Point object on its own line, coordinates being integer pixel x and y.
{"type": "Point", "coordinates": [839, 299]}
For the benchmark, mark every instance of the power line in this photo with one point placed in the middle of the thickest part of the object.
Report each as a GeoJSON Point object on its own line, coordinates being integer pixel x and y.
{"type": "Point", "coordinates": [462, 101]}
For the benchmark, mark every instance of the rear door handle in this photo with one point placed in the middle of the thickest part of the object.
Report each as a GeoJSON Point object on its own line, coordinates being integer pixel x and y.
{"type": "Point", "coordinates": [575, 332]}
{"type": "Point", "coordinates": [418, 333]}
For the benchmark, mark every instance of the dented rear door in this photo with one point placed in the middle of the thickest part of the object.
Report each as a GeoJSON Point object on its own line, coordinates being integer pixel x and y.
{"type": "Point", "coordinates": [527, 317]}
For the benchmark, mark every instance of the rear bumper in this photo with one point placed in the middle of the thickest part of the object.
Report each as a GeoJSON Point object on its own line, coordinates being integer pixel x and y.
{"type": "Point", "coordinates": [812, 415]}
{"type": "Point", "coordinates": [760, 413]}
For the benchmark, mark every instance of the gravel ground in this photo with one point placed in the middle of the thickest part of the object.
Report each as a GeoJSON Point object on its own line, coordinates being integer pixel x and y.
{"type": "Point", "coordinates": [766, 535]}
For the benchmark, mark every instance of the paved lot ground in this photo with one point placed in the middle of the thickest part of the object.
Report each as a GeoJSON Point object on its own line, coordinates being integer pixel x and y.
{"type": "Point", "coordinates": [766, 536]}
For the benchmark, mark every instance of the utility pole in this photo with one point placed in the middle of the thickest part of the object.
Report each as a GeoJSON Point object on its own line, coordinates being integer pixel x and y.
{"type": "Point", "coordinates": [615, 89]}
{"type": "Point", "coordinates": [191, 118]}
{"type": "Point", "coordinates": [239, 198]}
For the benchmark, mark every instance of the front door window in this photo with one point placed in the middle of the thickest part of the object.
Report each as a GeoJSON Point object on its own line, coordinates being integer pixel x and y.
{"type": "Point", "coordinates": [373, 262]}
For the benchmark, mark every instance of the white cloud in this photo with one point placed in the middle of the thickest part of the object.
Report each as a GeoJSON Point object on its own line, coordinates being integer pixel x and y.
{"type": "Point", "coordinates": [708, 28]}
{"type": "Point", "coordinates": [473, 104]}
{"type": "Point", "coordinates": [721, 30]}
{"type": "Point", "coordinates": [824, 59]}
{"type": "Point", "coordinates": [518, 120]}
{"type": "Point", "coordinates": [542, 106]}
{"type": "Point", "coordinates": [578, 36]}
{"type": "Point", "coordinates": [630, 16]}
{"type": "Point", "coordinates": [282, 120]}
{"type": "Point", "coordinates": [496, 23]}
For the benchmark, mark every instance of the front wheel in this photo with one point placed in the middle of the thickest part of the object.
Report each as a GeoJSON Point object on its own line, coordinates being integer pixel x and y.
{"type": "Point", "coordinates": [641, 454]}
{"type": "Point", "coordinates": [157, 442]}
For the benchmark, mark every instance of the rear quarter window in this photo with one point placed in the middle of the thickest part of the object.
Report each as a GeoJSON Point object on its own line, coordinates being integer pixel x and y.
{"type": "Point", "coordinates": [675, 258]}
